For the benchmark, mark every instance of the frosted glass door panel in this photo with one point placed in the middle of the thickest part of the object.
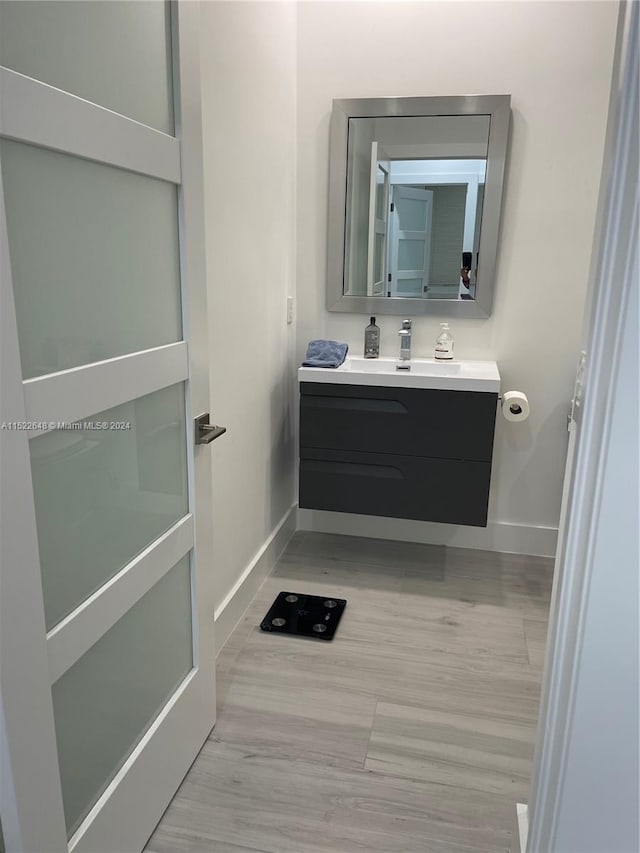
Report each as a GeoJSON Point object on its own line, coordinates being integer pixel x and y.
{"type": "Point", "coordinates": [380, 194]}
{"type": "Point", "coordinates": [94, 258]}
{"type": "Point", "coordinates": [103, 494]}
{"type": "Point", "coordinates": [410, 287]}
{"type": "Point", "coordinates": [116, 54]}
{"type": "Point", "coordinates": [378, 268]}
{"type": "Point", "coordinates": [411, 254]}
{"type": "Point", "coordinates": [106, 701]}
{"type": "Point", "coordinates": [412, 214]}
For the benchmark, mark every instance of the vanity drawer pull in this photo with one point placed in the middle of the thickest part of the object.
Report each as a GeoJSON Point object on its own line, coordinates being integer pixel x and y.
{"type": "Point", "coordinates": [355, 404]}
{"type": "Point", "coordinates": [353, 469]}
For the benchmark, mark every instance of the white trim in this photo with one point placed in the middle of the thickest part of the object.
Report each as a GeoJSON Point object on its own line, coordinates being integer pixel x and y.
{"type": "Point", "coordinates": [612, 275]}
{"type": "Point", "coordinates": [71, 638]}
{"type": "Point", "coordinates": [30, 792]}
{"type": "Point", "coordinates": [496, 536]}
{"type": "Point", "coordinates": [75, 394]}
{"type": "Point", "coordinates": [185, 28]}
{"type": "Point", "coordinates": [39, 114]}
{"type": "Point", "coordinates": [522, 814]}
{"type": "Point", "coordinates": [233, 605]}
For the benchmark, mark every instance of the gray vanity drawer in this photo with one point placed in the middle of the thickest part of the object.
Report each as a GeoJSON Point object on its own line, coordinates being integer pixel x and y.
{"type": "Point", "coordinates": [427, 489]}
{"type": "Point", "coordinates": [407, 421]}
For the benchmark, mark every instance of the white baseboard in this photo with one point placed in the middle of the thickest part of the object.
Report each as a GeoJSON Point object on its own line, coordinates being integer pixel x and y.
{"type": "Point", "coordinates": [497, 536]}
{"type": "Point", "coordinates": [522, 811]}
{"type": "Point", "coordinates": [241, 594]}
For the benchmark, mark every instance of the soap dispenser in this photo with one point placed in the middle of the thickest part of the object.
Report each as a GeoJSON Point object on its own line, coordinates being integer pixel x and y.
{"type": "Point", "coordinates": [444, 344]}
{"type": "Point", "coordinates": [372, 340]}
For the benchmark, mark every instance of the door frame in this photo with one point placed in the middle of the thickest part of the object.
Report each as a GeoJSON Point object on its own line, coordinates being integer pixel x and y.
{"type": "Point", "coordinates": [379, 160]}
{"type": "Point", "coordinates": [30, 791]}
{"type": "Point", "coordinates": [612, 276]}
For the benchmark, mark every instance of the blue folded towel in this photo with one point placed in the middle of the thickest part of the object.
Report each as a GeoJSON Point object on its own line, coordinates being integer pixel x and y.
{"type": "Point", "coordinates": [325, 354]}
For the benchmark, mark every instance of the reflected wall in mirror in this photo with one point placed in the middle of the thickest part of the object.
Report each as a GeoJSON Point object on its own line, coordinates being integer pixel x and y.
{"type": "Point", "coordinates": [415, 191]}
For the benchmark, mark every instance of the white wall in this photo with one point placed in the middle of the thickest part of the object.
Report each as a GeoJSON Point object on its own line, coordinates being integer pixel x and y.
{"type": "Point", "coordinates": [248, 102]}
{"type": "Point", "coordinates": [555, 60]}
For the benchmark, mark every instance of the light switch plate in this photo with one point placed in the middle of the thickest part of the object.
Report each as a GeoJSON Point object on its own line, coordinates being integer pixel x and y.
{"type": "Point", "coordinates": [289, 310]}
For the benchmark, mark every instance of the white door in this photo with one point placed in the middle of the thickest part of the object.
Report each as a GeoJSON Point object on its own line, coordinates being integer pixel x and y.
{"type": "Point", "coordinates": [106, 623]}
{"type": "Point", "coordinates": [410, 241]}
{"type": "Point", "coordinates": [378, 220]}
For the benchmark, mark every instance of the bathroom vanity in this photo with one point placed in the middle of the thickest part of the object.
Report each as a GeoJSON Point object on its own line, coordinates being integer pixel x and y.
{"type": "Point", "coordinates": [413, 444]}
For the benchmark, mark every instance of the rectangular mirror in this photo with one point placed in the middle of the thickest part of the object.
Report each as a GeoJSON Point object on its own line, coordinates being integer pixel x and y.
{"type": "Point", "coordinates": [415, 189]}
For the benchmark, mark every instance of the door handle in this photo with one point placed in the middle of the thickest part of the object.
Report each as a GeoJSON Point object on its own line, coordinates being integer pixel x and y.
{"type": "Point", "coordinates": [206, 432]}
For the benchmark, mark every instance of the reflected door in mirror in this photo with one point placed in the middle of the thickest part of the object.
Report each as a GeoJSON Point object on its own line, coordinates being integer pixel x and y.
{"type": "Point", "coordinates": [410, 243]}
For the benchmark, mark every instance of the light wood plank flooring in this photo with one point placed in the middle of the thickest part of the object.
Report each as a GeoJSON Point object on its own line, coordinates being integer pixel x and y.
{"type": "Point", "coordinates": [412, 731]}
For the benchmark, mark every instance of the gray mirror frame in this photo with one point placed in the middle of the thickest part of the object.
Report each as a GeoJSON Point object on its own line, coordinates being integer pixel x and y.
{"type": "Point", "coordinates": [498, 107]}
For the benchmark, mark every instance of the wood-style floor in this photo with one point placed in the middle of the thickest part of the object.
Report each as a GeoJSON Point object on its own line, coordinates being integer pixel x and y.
{"type": "Point", "coordinates": [412, 731]}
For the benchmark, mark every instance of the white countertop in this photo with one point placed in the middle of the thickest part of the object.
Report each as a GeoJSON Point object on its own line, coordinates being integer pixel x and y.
{"type": "Point", "coordinates": [456, 375]}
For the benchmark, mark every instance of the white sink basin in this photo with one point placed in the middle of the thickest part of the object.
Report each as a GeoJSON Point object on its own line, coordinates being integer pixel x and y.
{"type": "Point", "coordinates": [456, 375]}
{"type": "Point", "coordinates": [423, 366]}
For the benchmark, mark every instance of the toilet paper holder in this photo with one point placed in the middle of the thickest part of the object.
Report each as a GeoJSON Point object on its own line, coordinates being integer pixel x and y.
{"type": "Point", "coordinates": [514, 406]}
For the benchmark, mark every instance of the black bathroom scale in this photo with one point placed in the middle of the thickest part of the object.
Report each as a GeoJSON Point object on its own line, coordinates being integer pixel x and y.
{"type": "Point", "coordinates": [315, 616]}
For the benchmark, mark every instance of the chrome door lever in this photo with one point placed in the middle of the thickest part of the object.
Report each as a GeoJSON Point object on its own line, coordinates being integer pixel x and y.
{"type": "Point", "coordinates": [206, 432]}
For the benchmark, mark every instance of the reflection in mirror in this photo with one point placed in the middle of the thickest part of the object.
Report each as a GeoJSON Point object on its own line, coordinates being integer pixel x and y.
{"type": "Point", "coordinates": [415, 191]}
{"type": "Point", "coordinates": [415, 195]}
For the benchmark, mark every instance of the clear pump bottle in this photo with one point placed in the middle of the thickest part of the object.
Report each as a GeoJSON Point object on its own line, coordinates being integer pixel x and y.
{"type": "Point", "coordinates": [444, 344]}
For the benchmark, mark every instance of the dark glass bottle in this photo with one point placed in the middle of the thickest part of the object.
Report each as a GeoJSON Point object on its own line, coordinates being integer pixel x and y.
{"type": "Point", "coordinates": [372, 340]}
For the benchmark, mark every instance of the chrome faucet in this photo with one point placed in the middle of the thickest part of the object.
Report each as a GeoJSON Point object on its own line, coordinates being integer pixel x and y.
{"type": "Point", "coordinates": [404, 362]}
